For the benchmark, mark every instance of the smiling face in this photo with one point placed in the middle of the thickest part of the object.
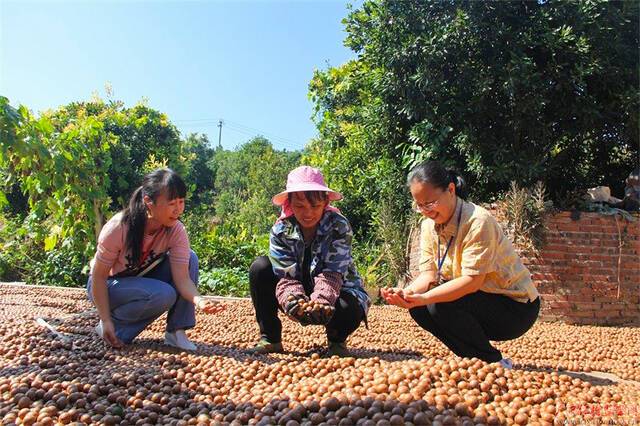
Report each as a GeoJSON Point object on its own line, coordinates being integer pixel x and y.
{"type": "Point", "coordinates": [163, 211]}
{"type": "Point", "coordinates": [307, 211]}
{"type": "Point", "coordinates": [434, 202]}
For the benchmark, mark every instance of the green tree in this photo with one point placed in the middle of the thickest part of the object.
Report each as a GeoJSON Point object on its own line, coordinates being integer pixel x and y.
{"type": "Point", "coordinates": [200, 176]}
{"type": "Point", "coordinates": [513, 91]}
{"type": "Point", "coordinates": [353, 150]}
{"type": "Point", "coordinates": [246, 179]}
{"type": "Point", "coordinates": [62, 172]}
{"type": "Point", "coordinates": [145, 138]}
{"type": "Point", "coordinates": [357, 158]}
{"type": "Point", "coordinates": [75, 165]}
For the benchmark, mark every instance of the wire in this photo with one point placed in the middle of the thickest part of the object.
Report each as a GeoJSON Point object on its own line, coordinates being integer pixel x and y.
{"type": "Point", "coordinates": [241, 129]}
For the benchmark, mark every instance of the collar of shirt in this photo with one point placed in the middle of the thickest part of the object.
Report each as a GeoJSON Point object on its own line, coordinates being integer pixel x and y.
{"type": "Point", "coordinates": [449, 229]}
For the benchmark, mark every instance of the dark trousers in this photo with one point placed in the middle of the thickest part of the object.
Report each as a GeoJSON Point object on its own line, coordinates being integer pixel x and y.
{"type": "Point", "coordinates": [262, 282]}
{"type": "Point", "coordinates": [466, 325]}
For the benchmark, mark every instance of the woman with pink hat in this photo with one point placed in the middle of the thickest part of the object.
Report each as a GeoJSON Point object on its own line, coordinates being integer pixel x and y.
{"type": "Point", "coordinates": [309, 265]}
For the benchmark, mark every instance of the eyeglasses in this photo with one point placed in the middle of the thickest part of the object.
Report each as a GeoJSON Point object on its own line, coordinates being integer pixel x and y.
{"type": "Point", "coordinates": [427, 207]}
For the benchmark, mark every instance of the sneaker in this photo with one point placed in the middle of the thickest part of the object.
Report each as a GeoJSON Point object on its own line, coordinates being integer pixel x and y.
{"type": "Point", "coordinates": [506, 363]}
{"type": "Point", "coordinates": [98, 329]}
{"type": "Point", "coordinates": [338, 349]}
{"type": "Point", "coordinates": [265, 347]}
{"type": "Point", "coordinates": [179, 339]}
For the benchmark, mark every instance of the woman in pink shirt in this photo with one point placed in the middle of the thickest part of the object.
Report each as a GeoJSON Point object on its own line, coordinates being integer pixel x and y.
{"type": "Point", "coordinates": [144, 267]}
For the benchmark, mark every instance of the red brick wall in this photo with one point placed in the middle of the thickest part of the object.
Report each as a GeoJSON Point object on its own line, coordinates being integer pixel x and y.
{"type": "Point", "coordinates": [582, 273]}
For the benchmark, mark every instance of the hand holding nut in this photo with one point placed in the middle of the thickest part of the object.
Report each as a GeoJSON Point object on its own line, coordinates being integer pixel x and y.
{"type": "Point", "coordinates": [391, 291]}
{"type": "Point", "coordinates": [317, 313]}
{"type": "Point", "coordinates": [294, 307]}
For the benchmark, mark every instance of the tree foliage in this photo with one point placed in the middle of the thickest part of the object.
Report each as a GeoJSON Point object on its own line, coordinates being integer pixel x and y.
{"type": "Point", "coordinates": [512, 91]}
{"type": "Point", "coordinates": [144, 138]}
{"type": "Point", "coordinates": [516, 91]}
{"type": "Point", "coordinates": [246, 179]}
{"type": "Point", "coordinates": [63, 171]}
{"type": "Point", "coordinates": [200, 168]}
{"type": "Point", "coordinates": [75, 165]}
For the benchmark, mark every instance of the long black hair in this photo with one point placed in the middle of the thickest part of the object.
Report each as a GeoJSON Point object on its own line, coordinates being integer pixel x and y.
{"type": "Point", "coordinates": [160, 181]}
{"type": "Point", "coordinates": [435, 174]}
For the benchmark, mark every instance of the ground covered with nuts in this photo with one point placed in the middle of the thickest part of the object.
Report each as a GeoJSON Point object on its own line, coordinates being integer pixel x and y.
{"type": "Point", "coordinates": [399, 374]}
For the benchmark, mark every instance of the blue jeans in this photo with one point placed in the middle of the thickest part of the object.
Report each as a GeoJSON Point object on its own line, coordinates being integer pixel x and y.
{"type": "Point", "coordinates": [135, 302]}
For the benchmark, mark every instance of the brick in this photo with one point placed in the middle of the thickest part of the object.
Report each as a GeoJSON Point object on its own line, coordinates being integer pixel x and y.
{"type": "Point", "coordinates": [609, 243]}
{"type": "Point", "coordinates": [554, 255]}
{"type": "Point", "coordinates": [598, 229]}
{"type": "Point", "coordinates": [604, 272]}
{"type": "Point", "coordinates": [605, 250]}
{"type": "Point", "coordinates": [582, 299]}
{"type": "Point", "coordinates": [628, 270]}
{"type": "Point", "coordinates": [613, 310]}
{"type": "Point", "coordinates": [605, 234]}
{"type": "Point", "coordinates": [545, 289]}
{"type": "Point", "coordinates": [604, 257]}
{"type": "Point", "coordinates": [607, 299]}
{"type": "Point", "coordinates": [554, 239]}
{"type": "Point", "coordinates": [582, 305]}
{"type": "Point", "coordinates": [582, 321]}
{"type": "Point", "coordinates": [607, 314]}
{"type": "Point", "coordinates": [582, 314]}
{"type": "Point", "coordinates": [588, 263]}
{"type": "Point", "coordinates": [559, 304]}
{"type": "Point", "coordinates": [556, 297]}
{"type": "Point", "coordinates": [556, 246]}
{"type": "Point", "coordinates": [570, 227]}
{"type": "Point", "coordinates": [593, 278]}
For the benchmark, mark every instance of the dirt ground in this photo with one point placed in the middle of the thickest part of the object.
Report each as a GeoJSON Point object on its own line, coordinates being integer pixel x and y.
{"type": "Point", "coordinates": [399, 373]}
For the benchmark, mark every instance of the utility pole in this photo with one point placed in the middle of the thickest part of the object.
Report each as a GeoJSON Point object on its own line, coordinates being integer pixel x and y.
{"type": "Point", "coordinates": [220, 134]}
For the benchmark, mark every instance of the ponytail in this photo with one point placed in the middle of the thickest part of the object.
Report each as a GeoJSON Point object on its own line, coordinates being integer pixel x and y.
{"type": "Point", "coordinates": [135, 218]}
{"type": "Point", "coordinates": [459, 182]}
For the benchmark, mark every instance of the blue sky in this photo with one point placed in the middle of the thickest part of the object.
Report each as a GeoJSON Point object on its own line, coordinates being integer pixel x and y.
{"type": "Point", "coordinates": [247, 62]}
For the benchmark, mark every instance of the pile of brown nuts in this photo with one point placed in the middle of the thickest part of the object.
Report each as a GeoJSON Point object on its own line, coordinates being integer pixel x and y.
{"type": "Point", "coordinates": [400, 374]}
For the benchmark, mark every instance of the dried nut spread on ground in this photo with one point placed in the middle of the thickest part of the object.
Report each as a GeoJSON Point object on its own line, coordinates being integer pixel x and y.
{"type": "Point", "coordinates": [401, 375]}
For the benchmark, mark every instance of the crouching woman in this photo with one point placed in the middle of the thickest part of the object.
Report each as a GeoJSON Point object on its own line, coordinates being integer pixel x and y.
{"type": "Point", "coordinates": [144, 267]}
{"type": "Point", "coordinates": [309, 273]}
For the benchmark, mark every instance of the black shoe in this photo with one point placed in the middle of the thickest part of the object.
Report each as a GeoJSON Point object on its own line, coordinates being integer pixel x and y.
{"type": "Point", "coordinates": [265, 347]}
{"type": "Point", "coordinates": [338, 349]}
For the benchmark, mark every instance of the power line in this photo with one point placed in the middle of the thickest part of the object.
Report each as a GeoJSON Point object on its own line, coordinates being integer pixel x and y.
{"type": "Point", "coordinates": [282, 140]}
{"type": "Point", "coordinates": [208, 121]}
{"type": "Point", "coordinates": [285, 144]}
{"type": "Point", "coordinates": [239, 128]}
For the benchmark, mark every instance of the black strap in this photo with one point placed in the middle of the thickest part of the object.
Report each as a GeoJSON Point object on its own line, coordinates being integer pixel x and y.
{"type": "Point", "coordinates": [306, 271]}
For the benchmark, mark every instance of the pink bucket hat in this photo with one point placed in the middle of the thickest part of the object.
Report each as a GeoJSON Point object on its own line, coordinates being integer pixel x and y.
{"type": "Point", "coordinates": [305, 178]}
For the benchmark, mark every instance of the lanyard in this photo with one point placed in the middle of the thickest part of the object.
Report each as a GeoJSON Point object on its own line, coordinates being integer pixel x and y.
{"type": "Point", "coordinates": [442, 259]}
